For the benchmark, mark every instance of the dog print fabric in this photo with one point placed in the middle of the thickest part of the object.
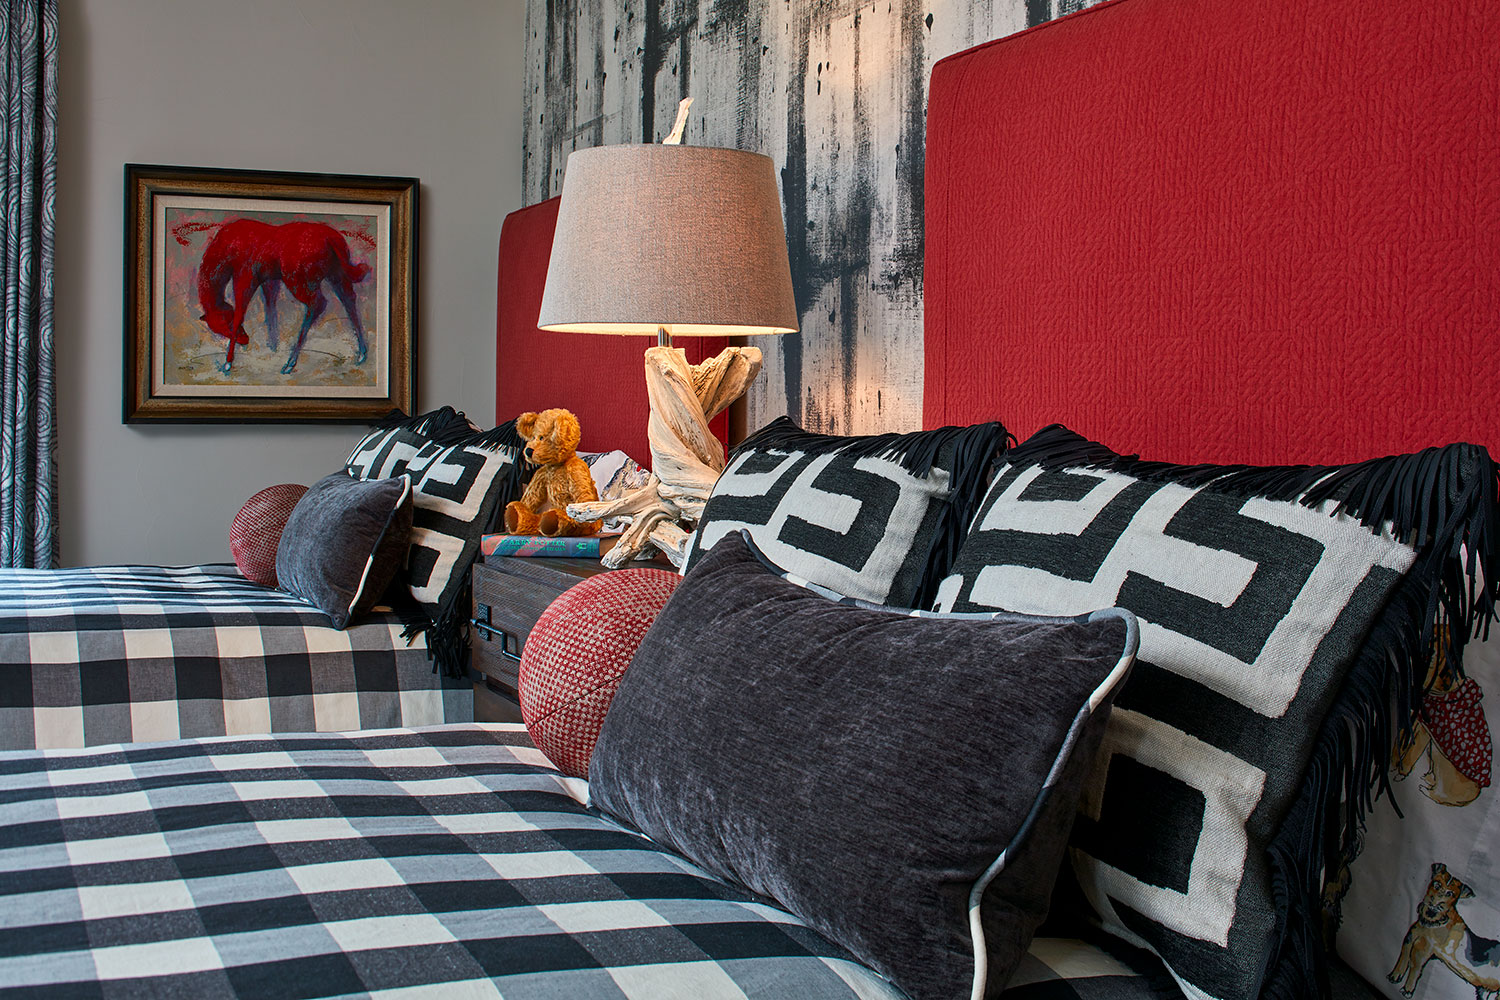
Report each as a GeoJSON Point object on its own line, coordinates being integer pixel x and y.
{"type": "Point", "coordinates": [1251, 611]}
{"type": "Point", "coordinates": [1440, 933]}
{"type": "Point", "coordinates": [1456, 732]}
{"type": "Point", "coordinates": [1451, 737]}
{"type": "Point", "coordinates": [1421, 917]}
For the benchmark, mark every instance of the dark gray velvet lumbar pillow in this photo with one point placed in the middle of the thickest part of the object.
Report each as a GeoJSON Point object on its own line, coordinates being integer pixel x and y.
{"type": "Point", "coordinates": [344, 543]}
{"type": "Point", "coordinates": [877, 772]}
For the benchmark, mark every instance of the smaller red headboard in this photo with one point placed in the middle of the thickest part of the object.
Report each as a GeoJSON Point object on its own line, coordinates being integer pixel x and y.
{"type": "Point", "coordinates": [601, 379]}
{"type": "Point", "coordinates": [1210, 231]}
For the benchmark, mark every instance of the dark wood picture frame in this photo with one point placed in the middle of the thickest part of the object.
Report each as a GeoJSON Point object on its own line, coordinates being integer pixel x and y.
{"type": "Point", "coordinates": [180, 331]}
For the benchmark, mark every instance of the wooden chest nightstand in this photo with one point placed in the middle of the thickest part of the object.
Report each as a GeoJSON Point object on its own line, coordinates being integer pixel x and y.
{"type": "Point", "coordinates": [510, 594]}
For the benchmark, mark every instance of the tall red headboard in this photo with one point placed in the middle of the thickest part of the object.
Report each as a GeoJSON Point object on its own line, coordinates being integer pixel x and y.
{"type": "Point", "coordinates": [1207, 231]}
{"type": "Point", "coordinates": [601, 379]}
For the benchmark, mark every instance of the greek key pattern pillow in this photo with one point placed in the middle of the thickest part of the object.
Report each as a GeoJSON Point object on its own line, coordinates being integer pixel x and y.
{"type": "Point", "coordinates": [877, 518]}
{"type": "Point", "coordinates": [387, 450]}
{"type": "Point", "coordinates": [385, 453]}
{"type": "Point", "coordinates": [456, 488]}
{"type": "Point", "coordinates": [456, 491]}
{"type": "Point", "coordinates": [1251, 610]}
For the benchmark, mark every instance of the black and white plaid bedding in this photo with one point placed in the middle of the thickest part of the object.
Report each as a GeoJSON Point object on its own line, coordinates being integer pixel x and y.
{"type": "Point", "coordinates": [447, 862]}
{"type": "Point", "coordinates": [128, 653]}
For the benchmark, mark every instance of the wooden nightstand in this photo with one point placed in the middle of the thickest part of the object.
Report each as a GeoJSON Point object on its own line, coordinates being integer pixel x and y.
{"type": "Point", "coordinates": [510, 594]}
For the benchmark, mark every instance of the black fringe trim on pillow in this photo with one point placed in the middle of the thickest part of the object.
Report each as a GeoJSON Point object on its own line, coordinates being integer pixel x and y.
{"type": "Point", "coordinates": [1441, 502]}
{"type": "Point", "coordinates": [445, 425]}
{"type": "Point", "coordinates": [447, 637]}
{"type": "Point", "coordinates": [975, 450]}
{"type": "Point", "coordinates": [505, 436]}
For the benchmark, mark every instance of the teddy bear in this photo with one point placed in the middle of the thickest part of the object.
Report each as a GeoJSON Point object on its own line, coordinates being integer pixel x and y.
{"type": "Point", "coordinates": [561, 477]}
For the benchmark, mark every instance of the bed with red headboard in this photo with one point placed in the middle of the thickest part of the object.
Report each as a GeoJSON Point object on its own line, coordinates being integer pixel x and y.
{"type": "Point", "coordinates": [1206, 231]}
{"type": "Point", "coordinates": [1252, 232]}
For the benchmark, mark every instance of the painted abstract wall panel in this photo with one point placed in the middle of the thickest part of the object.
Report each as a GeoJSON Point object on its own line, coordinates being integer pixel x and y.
{"type": "Point", "coordinates": [835, 92]}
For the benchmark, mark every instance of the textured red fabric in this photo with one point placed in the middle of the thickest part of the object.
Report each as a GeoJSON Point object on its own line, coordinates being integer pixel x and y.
{"type": "Point", "coordinates": [256, 531]}
{"type": "Point", "coordinates": [600, 378]}
{"type": "Point", "coordinates": [577, 653]}
{"type": "Point", "coordinates": [1211, 231]}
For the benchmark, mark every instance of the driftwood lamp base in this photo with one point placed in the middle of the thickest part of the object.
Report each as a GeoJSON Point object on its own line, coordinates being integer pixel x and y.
{"type": "Point", "coordinates": [686, 458]}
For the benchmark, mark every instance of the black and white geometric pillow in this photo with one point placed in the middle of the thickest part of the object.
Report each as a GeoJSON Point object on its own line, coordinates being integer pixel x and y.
{"type": "Point", "coordinates": [1251, 612]}
{"type": "Point", "coordinates": [385, 452]}
{"type": "Point", "coordinates": [878, 518]}
{"type": "Point", "coordinates": [456, 488]}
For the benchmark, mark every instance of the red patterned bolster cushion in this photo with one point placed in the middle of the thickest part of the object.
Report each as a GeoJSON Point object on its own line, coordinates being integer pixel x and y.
{"type": "Point", "coordinates": [577, 653]}
{"type": "Point", "coordinates": [256, 531]}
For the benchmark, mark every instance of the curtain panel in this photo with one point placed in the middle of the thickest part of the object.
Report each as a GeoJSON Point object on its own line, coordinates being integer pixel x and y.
{"type": "Point", "coordinates": [28, 172]}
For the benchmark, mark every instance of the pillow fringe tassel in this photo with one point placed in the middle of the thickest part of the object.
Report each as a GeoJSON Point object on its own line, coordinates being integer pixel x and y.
{"type": "Point", "coordinates": [1440, 501]}
{"type": "Point", "coordinates": [916, 452]}
{"type": "Point", "coordinates": [445, 425]}
{"type": "Point", "coordinates": [447, 636]}
{"type": "Point", "coordinates": [977, 450]}
{"type": "Point", "coordinates": [1321, 832]}
{"type": "Point", "coordinates": [505, 436]}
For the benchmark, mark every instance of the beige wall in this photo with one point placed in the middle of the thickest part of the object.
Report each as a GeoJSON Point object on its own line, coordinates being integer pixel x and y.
{"type": "Point", "coordinates": [426, 89]}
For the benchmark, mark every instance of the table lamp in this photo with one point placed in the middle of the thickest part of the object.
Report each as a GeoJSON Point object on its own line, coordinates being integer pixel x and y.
{"type": "Point", "coordinates": [670, 241]}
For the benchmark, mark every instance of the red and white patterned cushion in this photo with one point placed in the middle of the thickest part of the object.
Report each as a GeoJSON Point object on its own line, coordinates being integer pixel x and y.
{"type": "Point", "coordinates": [256, 531]}
{"type": "Point", "coordinates": [577, 653]}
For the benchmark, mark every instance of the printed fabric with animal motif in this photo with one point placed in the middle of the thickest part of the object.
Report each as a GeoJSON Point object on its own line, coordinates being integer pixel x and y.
{"type": "Point", "coordinates": [1440, 932]}
{"type": "Point", "coordinates": [561, 477]}
{"type": "Point", "coordinates": [1451, 733]}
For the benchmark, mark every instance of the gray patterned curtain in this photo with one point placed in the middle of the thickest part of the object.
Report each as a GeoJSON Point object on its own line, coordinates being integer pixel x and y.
{"type": "Point", "coordinates": [28, 172]}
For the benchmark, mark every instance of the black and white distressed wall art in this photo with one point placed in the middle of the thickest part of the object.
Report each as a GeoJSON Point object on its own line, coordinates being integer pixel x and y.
{"type": "Point", "coordinates": [833, 91]}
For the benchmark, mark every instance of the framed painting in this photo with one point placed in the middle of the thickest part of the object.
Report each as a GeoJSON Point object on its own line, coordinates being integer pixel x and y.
{"type": "Point", "coordinates": [264, 296]}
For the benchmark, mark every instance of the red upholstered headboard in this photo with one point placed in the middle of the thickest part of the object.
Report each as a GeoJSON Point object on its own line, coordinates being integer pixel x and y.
{"type": "Point", "coordinates": [601, 379]}
{"type": "Point", "coordinates": [1207, 231]}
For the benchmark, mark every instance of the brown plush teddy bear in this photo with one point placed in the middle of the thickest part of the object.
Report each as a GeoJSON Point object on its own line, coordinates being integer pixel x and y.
{"type": "Point", "coordinates": [561, 477]}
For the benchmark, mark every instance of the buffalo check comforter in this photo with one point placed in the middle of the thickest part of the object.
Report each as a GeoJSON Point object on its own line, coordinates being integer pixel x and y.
{"type": "Point", "coordinates": [130, 653]}
{"type": "Point", "coordinates": [446, 862]}
{"type": "Point", "coordinates": [453, 861]}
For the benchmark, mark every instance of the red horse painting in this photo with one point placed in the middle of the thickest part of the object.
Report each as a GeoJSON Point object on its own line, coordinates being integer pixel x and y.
{"type": "Point", "coordinates": [256, 256]}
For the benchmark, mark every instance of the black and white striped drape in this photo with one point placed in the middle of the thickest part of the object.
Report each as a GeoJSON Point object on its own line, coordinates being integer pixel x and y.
{"type": "Point", "coordinates": [28, 190]}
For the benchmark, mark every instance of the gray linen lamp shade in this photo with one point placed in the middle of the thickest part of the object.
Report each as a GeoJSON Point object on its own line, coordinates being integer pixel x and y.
{"type": "Point", "coordinates": [681, 239]}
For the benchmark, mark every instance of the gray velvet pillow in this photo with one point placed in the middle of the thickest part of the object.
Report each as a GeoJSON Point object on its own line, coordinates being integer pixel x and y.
{"type": "Point", "coordinates": [344, 543]}
{"type": "Point", "coordinates": [876, 772]}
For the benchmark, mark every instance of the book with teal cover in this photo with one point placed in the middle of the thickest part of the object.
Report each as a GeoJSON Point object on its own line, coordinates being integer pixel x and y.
{"type": "Point", "coordinates": [540, 546]}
